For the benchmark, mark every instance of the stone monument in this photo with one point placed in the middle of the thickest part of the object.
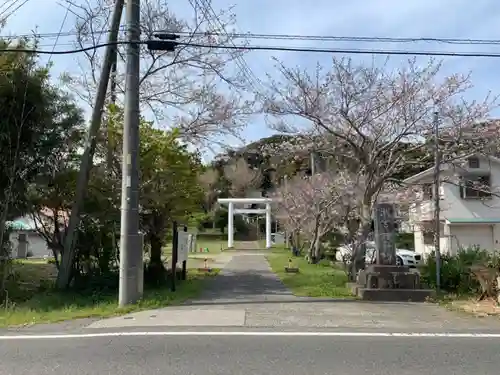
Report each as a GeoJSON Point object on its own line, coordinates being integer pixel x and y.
{"type": "Point", "coordinates": [384, 280]}
{"type": "Point", "coordinates": [385, 231]}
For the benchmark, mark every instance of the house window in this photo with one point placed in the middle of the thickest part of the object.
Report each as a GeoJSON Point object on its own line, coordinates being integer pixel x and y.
{"type": "Point", "coordinates": [428, 190]}
{"type": "Point", "coordinates": [475, 187]}
{"type": "Point", "coordinates": [473, 162]}
{"type": "Point", "coordinates": [428, 238]}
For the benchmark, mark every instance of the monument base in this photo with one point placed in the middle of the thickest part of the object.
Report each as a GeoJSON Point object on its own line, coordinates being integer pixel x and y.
{"type": "Point", "coordinates": [390, 283]}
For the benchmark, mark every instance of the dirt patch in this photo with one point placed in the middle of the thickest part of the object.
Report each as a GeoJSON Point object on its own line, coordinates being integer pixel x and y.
{"type": "Point", "coordinates": [485, 307]}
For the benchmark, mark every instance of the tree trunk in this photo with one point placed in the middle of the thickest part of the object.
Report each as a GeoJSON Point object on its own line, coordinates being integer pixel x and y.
{"type": "Point", "coordinates": [359, 245]}
{"type": "Point", "coordinates": [317, 250]}
{"type": "Point", "coordinates": [156, 246]}
{"type": "Point", "coordinates": [314, 251]}
{"type": "Point", "coordinates": [315, 246]}
{"type": "Point", "coordinates": [156, 270]}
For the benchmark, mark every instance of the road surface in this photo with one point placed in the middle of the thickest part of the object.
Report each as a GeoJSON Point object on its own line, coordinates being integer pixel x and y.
{"type": "Point", "coordinates": [251, 355]}
{"type": "Point", "coordinates": [246, 323]}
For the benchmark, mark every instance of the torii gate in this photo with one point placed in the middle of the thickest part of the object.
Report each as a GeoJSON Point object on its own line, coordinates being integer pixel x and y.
{"type": "Point", "coordinates": [231, 211]}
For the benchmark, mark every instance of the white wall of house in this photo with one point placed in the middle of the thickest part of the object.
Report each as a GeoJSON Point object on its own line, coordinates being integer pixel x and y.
{"type": "Point", "coordinates": [481, 235]}
{"type": "Point", "coordinates": [457, 236]}
{"type": "Point", "coordinates": [424, 242]}
{"type": "Point", "coordinates": [454, 206]}
{"type": "Point", "coordinates": [36, 245]}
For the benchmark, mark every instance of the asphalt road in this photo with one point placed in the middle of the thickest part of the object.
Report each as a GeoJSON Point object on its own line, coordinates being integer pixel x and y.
{"type": "Point", "coordinates": [252, 355]}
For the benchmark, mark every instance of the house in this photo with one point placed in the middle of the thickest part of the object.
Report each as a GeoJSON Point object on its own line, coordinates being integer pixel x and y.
{"type": "Point", "coordinates": [470, 206]}
{"type": "Point", "coordinates": [25, 237]}
{"type": "Point", "coordinates": [26, 241]}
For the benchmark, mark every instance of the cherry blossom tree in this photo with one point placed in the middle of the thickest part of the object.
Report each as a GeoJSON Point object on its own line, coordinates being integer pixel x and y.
{"type": "Point", "coordinates": [315, 205]}
{"type": "Point", "coordinates": [208, 180]}
{"type": "Point", "coordinates": [242, 177]}
{"type": "Point", "coordinates": [371, 118]}
{"type": "Point", "coordinates": [187, 88]}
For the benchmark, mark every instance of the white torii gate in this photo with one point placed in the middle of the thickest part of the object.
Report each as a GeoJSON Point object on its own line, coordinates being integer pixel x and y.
{"type": "Point", "coordinates": [231, 211]}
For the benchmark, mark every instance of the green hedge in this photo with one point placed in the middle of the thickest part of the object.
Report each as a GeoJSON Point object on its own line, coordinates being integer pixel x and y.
{"type": "Point", "coordinates": [455, 270]}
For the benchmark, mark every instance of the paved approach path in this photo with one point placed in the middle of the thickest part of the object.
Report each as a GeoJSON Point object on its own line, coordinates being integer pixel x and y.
{"type": "Point", "coordinates": [248, 295]}
{"type": "Point", "coordinates": [246, 278]}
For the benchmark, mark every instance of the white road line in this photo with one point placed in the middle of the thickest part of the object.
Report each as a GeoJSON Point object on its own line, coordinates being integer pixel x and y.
{"type": "Point", "coordinates": [252, 333]}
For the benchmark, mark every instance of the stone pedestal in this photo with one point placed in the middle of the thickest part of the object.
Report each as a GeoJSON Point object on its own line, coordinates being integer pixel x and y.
{"type": "Point", "coordinates": [390, 283]}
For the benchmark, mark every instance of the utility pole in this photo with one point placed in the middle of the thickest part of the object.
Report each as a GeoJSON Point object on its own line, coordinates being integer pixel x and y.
{"type": "Point", "coordinates": [66, 264]}
{"type": "Point", "coordinates": [285, 184]}
{"type": "Point", "coordinates": [112, 101]}
{"type": "Point", "coordinates": [130, 250]}
{"type": "Point", "coordinates": [317, 244]}
{"type": "Point", "coordinates": [437, 208]}
{"type": "Point", "coordinates": [114, 71]}
{"type": "Point", "coordinates": [313, 163]}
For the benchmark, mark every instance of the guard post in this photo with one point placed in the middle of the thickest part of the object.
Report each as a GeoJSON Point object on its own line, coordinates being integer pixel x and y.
{"type": "Point", "coordinates": [175, 242]}
{"type": "Point", "coordinates": [184, 261]}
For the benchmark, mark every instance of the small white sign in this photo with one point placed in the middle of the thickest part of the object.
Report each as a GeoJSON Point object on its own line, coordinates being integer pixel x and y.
{"type": "Point", "coordinates": [183, 246]}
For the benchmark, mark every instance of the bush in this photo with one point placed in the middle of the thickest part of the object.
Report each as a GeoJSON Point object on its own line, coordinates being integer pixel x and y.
{"type": "Point", "coordinates": [201, 221]}
{"type": "Point", "coordinates": [405, 241]}
{"type": "Point", "coordinates": [455, 270]}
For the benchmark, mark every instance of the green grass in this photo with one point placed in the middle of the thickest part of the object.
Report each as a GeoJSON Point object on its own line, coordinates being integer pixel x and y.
{"type": "Point", "coordinates": [48, 305]}
{"type": "Point", "coordinates": [313, 280]}
{"type": "Point", "coordinates": [214, 246]}
{"type": "Point", "coordinates": [262, 244]}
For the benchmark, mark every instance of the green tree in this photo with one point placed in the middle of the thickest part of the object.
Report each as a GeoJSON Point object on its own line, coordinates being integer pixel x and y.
{"type": "Point", "coordinates": [169, 184]}
{"type": "Point", "coordinates": [39, 125]}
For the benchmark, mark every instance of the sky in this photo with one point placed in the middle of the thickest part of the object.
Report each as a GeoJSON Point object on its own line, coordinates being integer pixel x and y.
{"type": "Point", "coordinates": [377, 18]}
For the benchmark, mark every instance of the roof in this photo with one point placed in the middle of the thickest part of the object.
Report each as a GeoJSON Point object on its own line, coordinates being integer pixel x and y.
{"type": "Point", "coordinates": [473, 220]}
{"type": "Point", "coordinates": [27, 223]}
{"type": "Point", "coordinates": [19, 225]}
{"type": "Point", "coordinates": [429, 172]}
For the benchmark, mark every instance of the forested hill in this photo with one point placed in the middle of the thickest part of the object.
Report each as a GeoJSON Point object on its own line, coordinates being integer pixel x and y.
{"type": "Point", "coordinates": [272, 155]}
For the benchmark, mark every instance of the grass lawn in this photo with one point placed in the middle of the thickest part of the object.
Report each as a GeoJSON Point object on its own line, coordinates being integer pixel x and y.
{"type": "Point", "coordinates": [313, 280]}
{"type": "Point", "coordinates": [215, 246]}
{"type": "Point", "coordinates": [44, 305]}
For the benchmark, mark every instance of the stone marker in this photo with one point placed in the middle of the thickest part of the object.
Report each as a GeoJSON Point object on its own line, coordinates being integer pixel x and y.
{"type": "Point", "coordinates": [385, 228]}
{"type": "Point", "coordinates": [385, 281]}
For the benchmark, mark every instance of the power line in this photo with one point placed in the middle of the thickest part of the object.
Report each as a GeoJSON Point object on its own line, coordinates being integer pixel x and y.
{"type": "Point", "coordinates": [240, 61]}
{"type": "Point", "coordinates": [6, 3]}
{"type": "Point", "coordinates": [60, 30]}
{"type": "Point", "coordinates": [14, 10]}
{"type": "Point", "coordinates": [346, 51]}
{"type": "Point", "coordinates": [12, 3]}
{"type": "Point", "coordinates": [363, 39]}
{"type": "Point", "coordinates": [67, 33]}
{"type": "Point", "coordinates": [367, 39]}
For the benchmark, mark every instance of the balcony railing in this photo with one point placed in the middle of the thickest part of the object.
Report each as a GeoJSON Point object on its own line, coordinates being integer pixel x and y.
{"type": "Point", "coordinates": [422, 211]}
